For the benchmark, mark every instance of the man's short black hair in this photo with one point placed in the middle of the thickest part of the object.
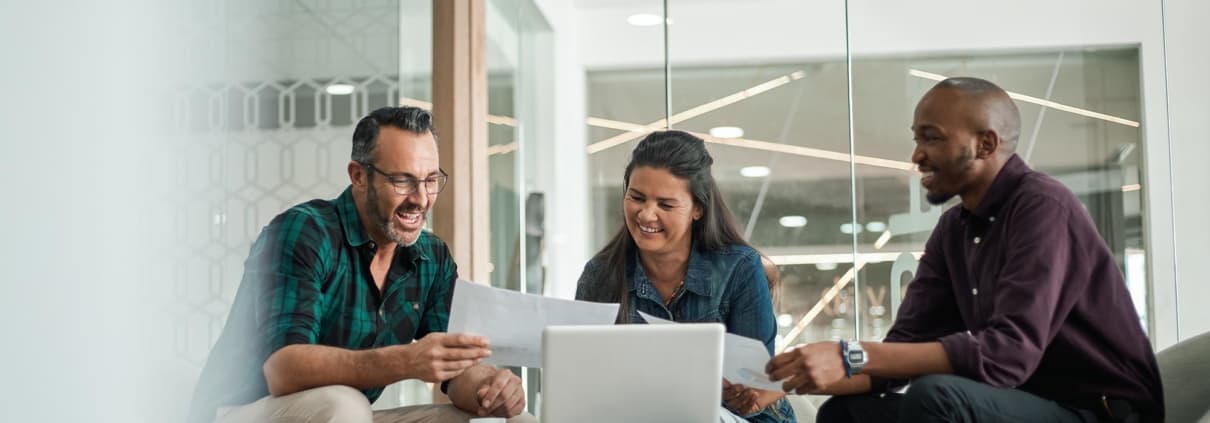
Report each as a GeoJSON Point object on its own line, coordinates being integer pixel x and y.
{"type": "Point", "coordinates": [1001, 113]}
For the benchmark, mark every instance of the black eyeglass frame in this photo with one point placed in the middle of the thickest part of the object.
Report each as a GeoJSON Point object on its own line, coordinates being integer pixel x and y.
{"type": "Point", "coordinates": [411, 184]}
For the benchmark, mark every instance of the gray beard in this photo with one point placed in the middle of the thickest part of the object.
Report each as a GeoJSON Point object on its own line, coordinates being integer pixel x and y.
{"type": "Point", "coordinates": [385, 223]}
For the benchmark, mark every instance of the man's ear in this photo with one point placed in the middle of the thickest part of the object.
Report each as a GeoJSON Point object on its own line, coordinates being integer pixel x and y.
{"type": "Point", "coordinates": [987, 143]}
{"type": "Point", "coordinates": [357, 174]}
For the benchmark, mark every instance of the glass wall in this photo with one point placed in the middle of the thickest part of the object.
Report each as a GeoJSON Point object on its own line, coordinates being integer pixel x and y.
{"type": "Point", "coordinates": [267, 125]}
{"type": "Point", "coordinates": [513, 28]}
{"type": "Point", "coordinates": [806, 108]}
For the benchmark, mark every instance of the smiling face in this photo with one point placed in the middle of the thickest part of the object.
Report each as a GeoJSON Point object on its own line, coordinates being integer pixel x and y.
{"type": "Point", "coordinates": [401, 154]}
{"type": "Point", "coordinates": [659, 211]}
{"type": "Point", "coordinates": [946, 144]}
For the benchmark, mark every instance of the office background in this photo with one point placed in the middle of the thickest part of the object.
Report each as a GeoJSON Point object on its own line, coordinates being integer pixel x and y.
{"type": "Point", "coordinates": [146, 143]}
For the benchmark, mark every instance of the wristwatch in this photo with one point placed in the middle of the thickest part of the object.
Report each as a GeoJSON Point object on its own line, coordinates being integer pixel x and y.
{"type": "Point", "coordinates": [854, 357]}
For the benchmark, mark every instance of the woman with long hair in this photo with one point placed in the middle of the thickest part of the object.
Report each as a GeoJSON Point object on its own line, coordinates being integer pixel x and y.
{"type": "Point", "coordinates": [680, 257]}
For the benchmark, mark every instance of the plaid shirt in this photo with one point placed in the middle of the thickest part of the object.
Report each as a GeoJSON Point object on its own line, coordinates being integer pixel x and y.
{"type": "Point", "coordinates": [307, 281]}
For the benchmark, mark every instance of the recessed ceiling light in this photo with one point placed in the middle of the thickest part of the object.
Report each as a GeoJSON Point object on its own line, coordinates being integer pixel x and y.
{"type": "Point", "coordinates": [875, 226]}
{"type": "Point", "coordinates": [339, 89]}
{"type": "Point", "coordinates": [754, 171]}
{"type": "Point", "coordinates": [848, 228]}
{"type": "Point", "coordinates": [644, 19]}
{"type": "Point", "coordinates": [825, 266]}
{"type": "Point", "coordinates": [793, 221]}
{"type": "Point", "coordinates": [726, 132]}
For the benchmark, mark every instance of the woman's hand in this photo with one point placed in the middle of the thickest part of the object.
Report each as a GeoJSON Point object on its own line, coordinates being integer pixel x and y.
{"type": "Point", "coordinates": [744, 401]}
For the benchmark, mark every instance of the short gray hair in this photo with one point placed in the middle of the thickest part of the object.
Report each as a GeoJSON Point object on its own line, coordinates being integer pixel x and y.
{"type": "Point", "coordinates": [365, 137]}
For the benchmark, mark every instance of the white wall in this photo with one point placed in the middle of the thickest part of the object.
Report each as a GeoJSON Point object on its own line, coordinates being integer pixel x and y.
{"type": "Point", "coordinates": [76, 120]}
{"type": "Point", "coordinates": [1188, 73]}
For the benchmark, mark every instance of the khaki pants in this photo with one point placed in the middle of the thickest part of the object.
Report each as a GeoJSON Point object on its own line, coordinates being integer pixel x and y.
{"type": "Point", "coordinates": [341, 404]}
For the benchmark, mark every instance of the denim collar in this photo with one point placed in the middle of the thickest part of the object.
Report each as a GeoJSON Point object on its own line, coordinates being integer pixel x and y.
{"type": "Point", "coordinates": [697, 277]}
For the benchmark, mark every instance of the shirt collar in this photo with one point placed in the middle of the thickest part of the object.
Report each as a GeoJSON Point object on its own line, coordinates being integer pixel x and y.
{"type": "Point", "coordinates": [417, 251]}
{"type": "Point", "coordinates": [1002, 188]}
{"type": "Point", "coordinates": [697, 276]}
{"type": "Point", "coordinates": [355, 232]}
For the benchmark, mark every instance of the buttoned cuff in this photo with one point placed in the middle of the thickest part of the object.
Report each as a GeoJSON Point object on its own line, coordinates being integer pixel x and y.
{"type": "Point", "coordinates": [962, 349]}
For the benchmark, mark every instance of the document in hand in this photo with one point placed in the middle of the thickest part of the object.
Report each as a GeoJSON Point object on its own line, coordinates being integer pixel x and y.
{"type": "Point", "coordinates": [744, 359]}
{"type": "Point", "coordinates": [513, 322]}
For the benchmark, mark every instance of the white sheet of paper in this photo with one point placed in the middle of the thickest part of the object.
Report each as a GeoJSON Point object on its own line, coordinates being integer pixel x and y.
{"type": "Point", "coordinates": [744, 358]}
{"type": "Point", "coordinates": [513, 322]}
{"type": "Point", "coordinates": [744, 361]}
{"type": "Point", "coordinates": [652, 320]}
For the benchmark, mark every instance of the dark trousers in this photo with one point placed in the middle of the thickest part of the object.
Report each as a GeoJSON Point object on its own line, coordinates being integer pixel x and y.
{"type": "Point", "coordinates": [946, 398]}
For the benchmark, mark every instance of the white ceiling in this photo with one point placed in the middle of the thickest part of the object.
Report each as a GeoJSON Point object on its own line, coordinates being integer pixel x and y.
{"type": "Point", "coordinates": [651, 6]}
{"type": "Point", "coordinates": [778, 31]}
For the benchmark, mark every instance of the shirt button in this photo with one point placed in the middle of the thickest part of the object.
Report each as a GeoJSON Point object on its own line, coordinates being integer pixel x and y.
{"type": "Point", "coordinates": [974, 291]}
{"type": "Point", "coordinates": [991, 219]}
{"type": "Point", "coordinates": [415, 306]}
{"type": "Point", "coordinates": [977, 240]}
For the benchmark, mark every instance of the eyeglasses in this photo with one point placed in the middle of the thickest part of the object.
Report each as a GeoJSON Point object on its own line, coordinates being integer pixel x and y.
{"type": "Point", "coordinates": [405, 185]}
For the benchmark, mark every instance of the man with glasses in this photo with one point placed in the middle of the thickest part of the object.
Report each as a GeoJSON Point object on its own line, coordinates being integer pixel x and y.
{"type": "Point", "coordinates": [342, 297]}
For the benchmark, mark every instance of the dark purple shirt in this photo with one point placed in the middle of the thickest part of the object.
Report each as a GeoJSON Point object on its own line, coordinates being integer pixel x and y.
{"type": "Point", "coordinates": [1023, 293]}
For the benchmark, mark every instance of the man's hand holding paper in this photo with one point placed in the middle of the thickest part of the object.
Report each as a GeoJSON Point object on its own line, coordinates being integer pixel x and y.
{"type": "Point", "coordinates": [513, 321]}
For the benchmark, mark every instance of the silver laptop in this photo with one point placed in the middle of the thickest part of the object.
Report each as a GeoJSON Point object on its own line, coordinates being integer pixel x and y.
{"type": "Point", "coordinates": [632, 373]}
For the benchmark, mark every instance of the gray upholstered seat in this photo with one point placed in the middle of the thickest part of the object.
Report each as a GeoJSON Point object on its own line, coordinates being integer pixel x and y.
{"type": "Point", "coordinates": [1185, 371]}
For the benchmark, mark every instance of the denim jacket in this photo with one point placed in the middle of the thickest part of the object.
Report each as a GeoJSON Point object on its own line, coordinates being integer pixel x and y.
{"type": "Point", "coordinates": [726, 286]}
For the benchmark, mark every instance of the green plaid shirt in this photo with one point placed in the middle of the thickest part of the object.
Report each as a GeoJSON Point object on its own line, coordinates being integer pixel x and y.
{"type": "Point", "coordinates": [307, 281]}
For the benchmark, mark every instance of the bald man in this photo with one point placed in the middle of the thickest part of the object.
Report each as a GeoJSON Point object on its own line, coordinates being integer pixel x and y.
{"type": "Point", "coordinates": [1018, 312]}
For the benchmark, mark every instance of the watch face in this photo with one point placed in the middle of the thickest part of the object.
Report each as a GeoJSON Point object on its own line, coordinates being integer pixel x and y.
{"type": "Point", "coordinates": [856, 356]}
